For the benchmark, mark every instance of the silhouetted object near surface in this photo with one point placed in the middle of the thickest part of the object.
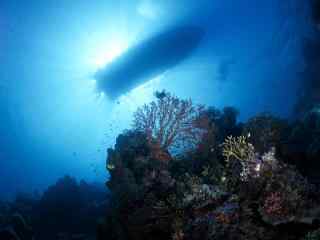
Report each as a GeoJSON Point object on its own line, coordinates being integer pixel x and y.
{"type": "Point", "coordinates": [148, 59]}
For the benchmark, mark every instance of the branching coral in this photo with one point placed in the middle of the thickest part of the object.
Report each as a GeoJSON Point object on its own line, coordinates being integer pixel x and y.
{"type": "Point", "coordinates": [172, 122]}
{"type": "Point", "coordinates": [239, 150]}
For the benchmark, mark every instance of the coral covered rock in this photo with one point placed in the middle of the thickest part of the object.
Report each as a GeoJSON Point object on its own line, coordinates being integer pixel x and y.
{"type": "Point", "coordinates": [238, 187]}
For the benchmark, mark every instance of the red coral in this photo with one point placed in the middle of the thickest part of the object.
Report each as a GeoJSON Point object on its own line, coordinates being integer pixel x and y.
{"type": "Point", "coordinates": [223, 218]}
{"type": "Point", "coordinates": [171, 122]}
{"type": "Point", "coordinates": [157, 152]}
{"type": "Point", "coordinates": [274, 205]}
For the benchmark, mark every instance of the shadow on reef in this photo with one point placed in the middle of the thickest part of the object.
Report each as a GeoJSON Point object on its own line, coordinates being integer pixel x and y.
{"type": "Point", "coordinates": [66, 210]}
{"type": "Point", "coordinates": [191, 172]}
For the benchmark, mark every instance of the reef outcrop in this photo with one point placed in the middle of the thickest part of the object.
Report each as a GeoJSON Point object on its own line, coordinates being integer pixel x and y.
{"type": "Point", "coordinates": [239, 181]}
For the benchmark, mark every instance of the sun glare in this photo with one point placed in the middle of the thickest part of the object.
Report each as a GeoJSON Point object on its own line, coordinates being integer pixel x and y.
{"type": "Point", "coordinates": [109, 53]}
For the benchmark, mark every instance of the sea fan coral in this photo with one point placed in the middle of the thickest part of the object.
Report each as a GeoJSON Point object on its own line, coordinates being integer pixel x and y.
{"type": "Point", "coordinates": [171, 122]}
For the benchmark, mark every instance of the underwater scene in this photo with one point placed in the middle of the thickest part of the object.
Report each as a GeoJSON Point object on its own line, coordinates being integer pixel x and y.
{"type": "Point", "coordinates": [160, 120]}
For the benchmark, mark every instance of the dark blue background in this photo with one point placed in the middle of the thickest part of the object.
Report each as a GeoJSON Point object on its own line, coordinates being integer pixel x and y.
{"type": "Point", "coordinates": [53, 121]}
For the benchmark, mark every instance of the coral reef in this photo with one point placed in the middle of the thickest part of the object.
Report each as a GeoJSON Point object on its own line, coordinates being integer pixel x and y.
{"type": "Point", "coordinates": [244, 181]}
{"type": "Point", "coordinates": [242, 185]}
{"type": "Point", "coordinates": [265, 131]}
{"type": "Point", "coordinates": [301, 145]}
{"type": "Point", "coordinates": [15, 227]}
{"type": "Point", "coordinates": [67, 210]}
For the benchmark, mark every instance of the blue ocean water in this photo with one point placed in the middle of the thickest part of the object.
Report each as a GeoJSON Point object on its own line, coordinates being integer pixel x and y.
{"type": "Point", "coordinates": [55, 122]}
